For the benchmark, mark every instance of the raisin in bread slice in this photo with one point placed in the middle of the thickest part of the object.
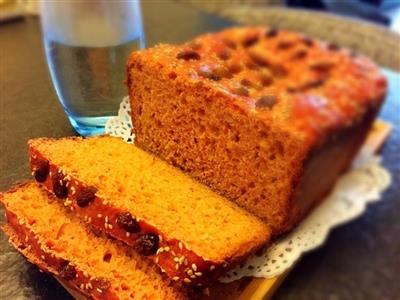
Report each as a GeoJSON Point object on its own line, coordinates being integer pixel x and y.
{"type": "Point", "coordinates": [192, 233]}
{"type": "Point", "coordinates": [60, 243]}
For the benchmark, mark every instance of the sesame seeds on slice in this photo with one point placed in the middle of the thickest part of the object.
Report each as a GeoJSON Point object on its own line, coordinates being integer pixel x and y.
{"type": "Point", "coordinates": [189, 272]}
{"type": "Point", "coordinates": [198, 274]}
{"type": "Point", "coordinates": [99, 290]}
{"type": "Point", "coordinates": [212, 267]}
{"type": "Point", "coordinates": [194, 267]}
{"type": "Point", "coordinates": [175, 278]}
{"type": "Point", "coordinates": [187, 280]}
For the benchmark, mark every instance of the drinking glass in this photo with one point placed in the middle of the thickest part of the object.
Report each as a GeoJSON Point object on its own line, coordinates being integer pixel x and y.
{"type": "Point", "coordinates": [87, 43]}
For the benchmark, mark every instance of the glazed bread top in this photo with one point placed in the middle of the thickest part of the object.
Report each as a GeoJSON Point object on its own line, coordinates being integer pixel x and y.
{"type": "Point", "coordinates": [306, 86]}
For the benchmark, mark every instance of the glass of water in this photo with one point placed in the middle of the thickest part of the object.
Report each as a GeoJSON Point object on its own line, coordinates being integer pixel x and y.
{"type": "Point", "coordinates": [87, 43]}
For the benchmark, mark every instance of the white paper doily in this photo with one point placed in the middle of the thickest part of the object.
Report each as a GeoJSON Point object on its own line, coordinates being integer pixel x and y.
{"type": "Point", "coordinates": [361, 185]}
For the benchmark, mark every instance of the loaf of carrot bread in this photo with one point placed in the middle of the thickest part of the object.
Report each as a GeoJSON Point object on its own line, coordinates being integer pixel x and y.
{"type": "Point", "coordinates": [192, 233]}
{"type": "Point", "coordinates": [268, 118]}
{"type": "Point", "coordinates": [55, 240]}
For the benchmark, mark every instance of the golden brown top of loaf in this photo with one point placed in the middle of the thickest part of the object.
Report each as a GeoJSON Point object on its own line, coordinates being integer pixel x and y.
{"type": "Point", "coordinates": [303, 84]}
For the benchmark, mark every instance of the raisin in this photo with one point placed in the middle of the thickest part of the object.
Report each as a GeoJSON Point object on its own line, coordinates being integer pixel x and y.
{"type": "Point", "coordinates": [60, 186]}
{"type": "Point", "coordinates": [322, 66]}
{"type": "Point", "coordinates": [273, 32]}
{"type": "Point", "coordinates": [66, 271]}
{"type": "Point", "coordinates": [147, 244]}
{"type": "Point", "coordinates": [188, 55]}
{"type": "Point", "coordinates": [41, 170]}
{"type": "Point", "coordinates": [266, 101]}
{"type": "Point", "coordinates": [284, 45]}
{"type": "Point", "coordinates": [222, 72]}
{"type": "Point", "coordinates": [242, 91]}
{"type": "Point", "coordinates": [258, 59]}
{"type": "Point", "coordinates": [279, 70]}
{"type": "Point", "coordinates": [85, 195]}
{"type": "Point", "coordinates": [235, 68]}
{"type": "Point", "coordinates": [205, 71]}
{"type": "Point", "coordinates": [246, 82]}
{"type": "Point", "coordinates": [102, 283]}
{"type": "Point", "coordinates": [127, 222]}
{"type": "Point", "coordinates": [250, 41]}
{"type": "Point", "coordinates": [224, 54]}
{"type": "Point", "coordinates": [313, 84]}
{"type": "Point", "coordinates": [333, 47]}
{"type": "Point", "coordinates": [299, 54]}
{"type": "Point", "coordinates": [230, 44]}
{"type": "Point", "coordinates": [266, 79]}
{"type": "Point", "coordinates": [309, 42]}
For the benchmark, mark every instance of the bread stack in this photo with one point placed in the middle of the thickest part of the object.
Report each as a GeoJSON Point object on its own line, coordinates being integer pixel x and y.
{"type": "Point", "coordinates": [240, 111]}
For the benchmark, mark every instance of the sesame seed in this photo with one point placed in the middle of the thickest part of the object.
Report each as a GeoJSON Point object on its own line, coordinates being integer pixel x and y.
{"type": "Point", "coordinates": [85, 274]}
{"type": "Point", "coordinates": [173, 253]}
{"type": "Point", "coordinates": [185, 261]}
{"type": "Point", "coordinates": [105, 225]}
{"type": "Point", "coordinates": [73, 188]}
{"type": "Point", "coordinates": [21, 222]}
{"type": "Point", "coordinates": [180, 245]}
{"type": "Point", "coordinates": [160, 250]}
{"type": "Point", "coordinates": [89, 285]}
{"type": "Point", "coordinates": [76, 182]}
{"type": "Point", "coordinates": [177, 266]}
{"type": "Point", "coordinates": [212, 267]}
{"type": "Point", "coordinates": [33, 173]}
{"type": "Point", "coordinates": [194, 267]}
{"type": "Point", "coordinates": [176, 259]}
{"type": "Point", "coordinates": [106, 219]}
{"type": "Point", "coordinates": [110, 226]}
{"type": "Point", "coordinates": [157, 260]}
{"type": "Point", "coordinates": [26, 239]}
{"type": "Point", "coordinates": [50, 173]}
{"type": "Point", "coordinates": [82, 286]}
{"type": "Point", "coordinates": [175, 278]}
{"type": "Point", "coordinates": [162, 270]}
{"type": "Point", "coordinates": [99, 215]}
{"type": "Point", "coordinates": [99, 290]}
{"type": "Point", "coordinates": [189, 272]}
{"type": "Point", "coordinates": [128, 234]}
{"type": "Point", "coordinates": [166, 249]}
{"type": "Point", "coordinates": [34, 156]}
{"type": "Point", "coordinates": [105, 202]}
{"type": "Point", "coordinates": [42, 257]}
{"type": "Point", "coordinates": [71, 208]}
{"type": "Point", "coordinates": [198, 274]}
{"type": "Point", "coordinates": [187, 280]}
{"type": "Point", "coordinates": [73, 192]}
{"type": "Point", "coordinates": [193, 276]}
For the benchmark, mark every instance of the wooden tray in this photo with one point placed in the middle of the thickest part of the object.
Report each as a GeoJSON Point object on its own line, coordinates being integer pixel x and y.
{"type": "Point", "coordinates": [263, 288]}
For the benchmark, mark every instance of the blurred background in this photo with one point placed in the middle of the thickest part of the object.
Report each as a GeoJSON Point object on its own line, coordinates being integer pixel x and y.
{"type": "Point", "coordinates": [385, 12]}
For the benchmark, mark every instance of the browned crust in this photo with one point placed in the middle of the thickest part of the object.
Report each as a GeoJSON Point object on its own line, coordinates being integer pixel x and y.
{"type": "Point", "coordinates": [350, 140]}
{"type": "Point", "coordinates": [27, 243]}
{"type": "Point", "coordinates": [190, 269]}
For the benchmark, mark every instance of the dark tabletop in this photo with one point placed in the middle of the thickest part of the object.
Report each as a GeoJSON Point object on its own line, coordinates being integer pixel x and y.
{"type": "Point", "coordinates": [360, 260]}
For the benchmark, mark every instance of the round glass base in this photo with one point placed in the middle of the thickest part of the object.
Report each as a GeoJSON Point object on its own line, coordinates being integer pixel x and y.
{"type": "Point", "coordinates": [89, 126]}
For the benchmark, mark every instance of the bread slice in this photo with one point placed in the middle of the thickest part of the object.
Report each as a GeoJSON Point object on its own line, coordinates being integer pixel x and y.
{"type": "Point", "coordinates": [59, 243]}
{"type": "Point", "coordinates": [192, 233]}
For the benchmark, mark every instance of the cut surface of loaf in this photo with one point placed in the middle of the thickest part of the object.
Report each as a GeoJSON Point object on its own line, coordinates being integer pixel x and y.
{"type": "Point", "coordinates": [59, 243]}
{"type": "Point", "coordinates": [192, 233]}
{"type": "Point", "coordinates": [257, 114]}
